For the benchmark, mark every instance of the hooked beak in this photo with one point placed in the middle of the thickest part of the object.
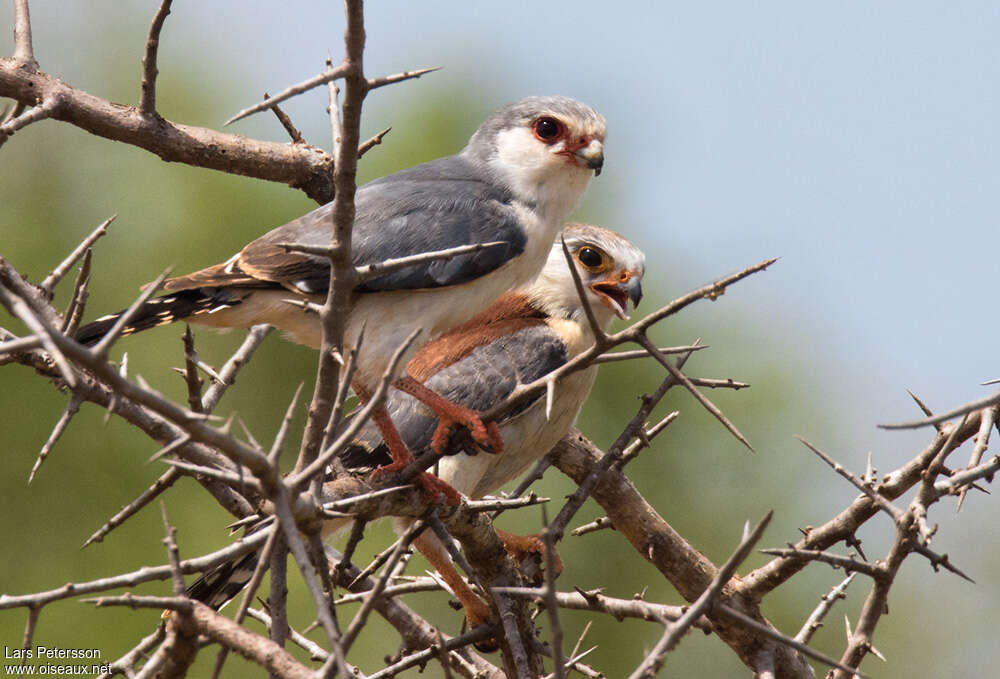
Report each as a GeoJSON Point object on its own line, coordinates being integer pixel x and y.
{"type": "Point", "coordinates": [617, 293]}
{"type": "Point", "coordinates": [592, 155]}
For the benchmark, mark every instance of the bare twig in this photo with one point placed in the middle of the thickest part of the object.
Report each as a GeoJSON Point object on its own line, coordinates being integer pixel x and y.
{"type": "Point", "coordinates": [815, 619]}
{"type": "Point", "coordinates": [147, 101]}
{"type": "Point", "coordinates": [611, 357]}
{"type": "Point", "coordinates": [166, 480]}
{"type": "Point", "coordinates": [368, 604]}
{"type": "Point", "coordinates": [613, 455]}
{"type": "Point", "coordinates": [370, 271]}
{"type": "Point", "coordinates": [617, 608]}
{"type": "Point", "coordinates": [333, 109]}
{"type": "Point", "coordinates": [286, 421]}
{"type": "Point", "coordinates": [535, 474]}
{"type": "Point", "coordinates": [873, 495]}
{"type": "Point", "coordinates": [600, 524]}
{"type": "Point", "coordinates": [50, 282]}
{"type": "Point", "coordinates": [375, 83]}
{"type": "Point", "coordinates": [238, 481]}
{"type": "Point", "coordinates": [982, 443]}
{"type": "Point", "coordinates": [74, 312]}
{"type": "Point", "coordinates": [71, 409]}
{"type": "Point", "coordinates": [373, 142]}
{"type": "Point", "coordinates": [146, 574]}
{"type": "Point", "coordinates": [24, 53]}
{"type": "Point", "coordinates": [42, 111]}
{"type": "Point", "coordinates": [20, 344]}
{"type": "Point", "coordinates": [227, 375]}
{"type": "Point", "coordinates": [689, 385]}
{"type": "Point", "coordinates": [549, 596]}
{"type": "Point", "coordinates": [43, 328]}
{"type": "Point", "coordinates": [499, 504]}
{"type": "Point", "coordinates": [835, 560]}
{"type": "Point", "coordinates": [173, 554]}
{"type": "Point", "coordinates": [339, 300]}
{"type": "Point", "coordinates": [961, 410]}
{"type": "Point", "coordinates": [286, 122]}
{"type": "Point", "coordinates": [732, 615]}
{"type": "Point", "coordinates": [289, 92]}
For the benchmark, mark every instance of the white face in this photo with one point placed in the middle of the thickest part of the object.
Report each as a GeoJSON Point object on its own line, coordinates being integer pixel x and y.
{"type": "Point", "coordinates": [550, 159]}
{"type": "Point", "coordinates": [610, 269]}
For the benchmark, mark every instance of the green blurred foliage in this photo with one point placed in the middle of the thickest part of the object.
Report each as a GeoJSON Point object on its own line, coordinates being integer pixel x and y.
{"type": "Point", "coordinates": [57, 183]}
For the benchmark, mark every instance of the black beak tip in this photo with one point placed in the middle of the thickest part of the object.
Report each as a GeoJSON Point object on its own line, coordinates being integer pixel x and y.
{"type": "Point", "coordinates": [635, 294]}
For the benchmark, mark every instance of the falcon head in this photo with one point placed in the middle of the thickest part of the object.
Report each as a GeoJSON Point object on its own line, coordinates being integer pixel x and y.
{"type": "Point", "coordinates": [610, 269]}
{"type": "Point", "coordinates": [543, 148]}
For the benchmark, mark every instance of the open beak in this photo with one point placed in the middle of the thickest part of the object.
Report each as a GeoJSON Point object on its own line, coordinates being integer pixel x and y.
{"type": "Point", "coordinates": [617, 293]}
{"type": "Point", "coordinates": [592, 155]}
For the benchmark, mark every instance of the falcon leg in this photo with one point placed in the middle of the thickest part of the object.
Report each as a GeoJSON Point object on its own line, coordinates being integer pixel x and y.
{"type": "Point", "coordinates": [520, 547]}
{"type": "Point", "coordinates": [451, 414]}
{"type": "Point", "coordinates": [477, 612]}
{"type": "Point", "coordinates": [432, 486]}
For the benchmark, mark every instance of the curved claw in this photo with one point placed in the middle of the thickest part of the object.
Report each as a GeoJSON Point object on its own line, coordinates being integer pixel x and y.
{"type": "Point", "coordinates": [450, 415]}
{"type": "Point", "coordinates": [485, 436]}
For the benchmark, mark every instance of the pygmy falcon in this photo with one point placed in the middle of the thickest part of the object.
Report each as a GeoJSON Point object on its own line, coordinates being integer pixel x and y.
{"type": "Point", "coordinates": [515, 182]}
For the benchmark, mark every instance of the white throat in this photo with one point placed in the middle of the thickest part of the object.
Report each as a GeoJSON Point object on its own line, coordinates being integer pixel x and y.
{"type": "Point", "coordinates": [537, 176]}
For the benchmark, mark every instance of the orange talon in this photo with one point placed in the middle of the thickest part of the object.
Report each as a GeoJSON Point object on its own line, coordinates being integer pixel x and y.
{"type": "Point", "coordinates": [450, 414]}
{"type": "Point", "coordinates": [477, 611]}
{"type": "Point", "coordinates": [432, 487]}
{"type": "Point", "coordinates": [521, 547]}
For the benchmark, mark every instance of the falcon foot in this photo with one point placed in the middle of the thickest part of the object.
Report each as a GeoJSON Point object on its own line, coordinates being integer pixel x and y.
{"type": "Point", "coordinates": [528, 552]}
{"type": "Point", "coordinates": [478, 613]}
{"type": "Point", "coordinates": [485, 436]}
{"type": "Point", "coordinates": [434, 489]}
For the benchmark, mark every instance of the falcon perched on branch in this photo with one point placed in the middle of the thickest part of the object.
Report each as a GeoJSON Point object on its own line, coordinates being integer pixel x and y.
{"type": "Point", "coordinates": [515, 182]}
{"type": "Point", "coordinates": [525, 335]}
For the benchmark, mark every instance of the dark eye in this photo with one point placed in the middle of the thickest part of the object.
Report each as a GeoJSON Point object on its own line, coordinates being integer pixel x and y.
{"type": "Point", "coordinates": [548, 129]}
{"type": "Point", "coordinates": [590, 258]}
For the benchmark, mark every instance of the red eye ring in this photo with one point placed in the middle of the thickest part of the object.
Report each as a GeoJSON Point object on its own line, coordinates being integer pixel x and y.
{"type": "Point", "coordinates": [548, 129]}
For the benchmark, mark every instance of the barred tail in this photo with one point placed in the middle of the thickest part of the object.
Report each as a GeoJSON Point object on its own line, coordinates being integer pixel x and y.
{"type": "Point", "coordinates": [158, 311]}
{"type": "Point", "coordinates": [220, 585]}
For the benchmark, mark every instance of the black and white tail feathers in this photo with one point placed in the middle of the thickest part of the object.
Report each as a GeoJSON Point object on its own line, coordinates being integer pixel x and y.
{"type": "Point", "coordinates": [220, 585]}
{"type": "Point", "coordinates": [159, 311]}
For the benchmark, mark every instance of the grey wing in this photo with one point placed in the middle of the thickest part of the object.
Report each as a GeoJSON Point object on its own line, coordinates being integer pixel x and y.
{"type": "Point", "coordinates": [480, 380]}
{"type": "Point", "coordinates": [442, 204]}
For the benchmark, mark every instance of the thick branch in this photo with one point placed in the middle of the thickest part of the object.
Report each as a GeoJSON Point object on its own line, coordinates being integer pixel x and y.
{"type": "Point", "coordinates": [300, 166]}
{"type": "Point", "coordinates": [683, 565]}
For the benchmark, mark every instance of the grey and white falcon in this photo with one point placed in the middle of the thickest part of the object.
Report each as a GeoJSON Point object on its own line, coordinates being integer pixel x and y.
{"type": "Point", "coordinates": [516, 181]}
